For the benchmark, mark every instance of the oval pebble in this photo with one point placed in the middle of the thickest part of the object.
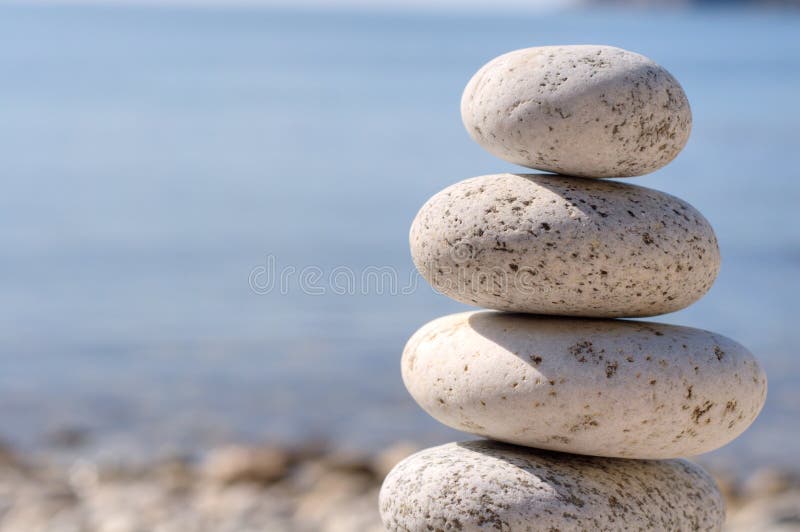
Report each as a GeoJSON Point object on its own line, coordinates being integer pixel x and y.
{"type": "Point", "coordinates": [577, 247]}
{"type": "Point", "coordinates": [592, 111]}
{"type": "Point", "coordinates": [596, 387]}
{"type": "Point", "coordinates": [484, 485]}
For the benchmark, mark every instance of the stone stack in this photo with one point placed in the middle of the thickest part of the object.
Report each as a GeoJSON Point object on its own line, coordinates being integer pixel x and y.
{"type": "Point", "coordinates": [586, 415]}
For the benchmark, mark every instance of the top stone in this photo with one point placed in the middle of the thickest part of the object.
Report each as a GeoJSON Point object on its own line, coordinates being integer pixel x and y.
{"type": "Point", "coordinates": [584, 110]}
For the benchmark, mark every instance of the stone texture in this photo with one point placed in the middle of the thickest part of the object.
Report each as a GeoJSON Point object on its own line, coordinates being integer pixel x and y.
{"type": "Point", "coordinates": [551, 245]}
{"type": "Point", "coordinates": [485, 485]}
{"type": "Point", "coordinates": [592, 111]}
{"type": "Point", "coordinates": [596, 387]}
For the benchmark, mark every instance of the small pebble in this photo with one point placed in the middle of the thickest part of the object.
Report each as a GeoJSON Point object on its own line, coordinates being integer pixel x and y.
{"type": "Point", "coordinates": [236, 463]}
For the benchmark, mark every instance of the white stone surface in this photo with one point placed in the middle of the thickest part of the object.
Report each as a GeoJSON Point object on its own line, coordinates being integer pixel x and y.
{"type": "Point", "coordinates": [592, 111]}
{"type": "Point", "coordinates": [485, 485]}
{"type": "Point", "coordinates": [548, 244]}
{"type": "Point", "coordinates": [596, 387]}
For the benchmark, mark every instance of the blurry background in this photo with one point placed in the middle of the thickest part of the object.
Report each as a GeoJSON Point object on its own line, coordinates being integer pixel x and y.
{"type": "Point", "coordinates": [153, 157]}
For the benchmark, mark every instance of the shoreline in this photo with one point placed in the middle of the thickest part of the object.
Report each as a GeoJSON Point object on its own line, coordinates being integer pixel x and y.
{"type": "Point", "coordinates": [310, 486]}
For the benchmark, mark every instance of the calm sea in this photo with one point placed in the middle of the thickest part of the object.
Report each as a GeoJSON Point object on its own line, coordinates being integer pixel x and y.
{"type": "Point", "coordinates": [157, 164]}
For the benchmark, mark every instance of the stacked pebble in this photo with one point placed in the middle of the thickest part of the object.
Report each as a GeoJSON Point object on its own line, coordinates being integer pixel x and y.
{"type": "Point", "coordinates": [567, 255]}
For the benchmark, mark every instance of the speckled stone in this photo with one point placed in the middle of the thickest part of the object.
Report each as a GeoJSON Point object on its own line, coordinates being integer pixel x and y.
{"type": "Point", "coordinates": [545, 244]}
{"type": "Point", "coordinates": [596, 387]}
{"type": "Point", "coordinates": [483, 485]}
{"type": "Point", "coordinates": [592, 111]}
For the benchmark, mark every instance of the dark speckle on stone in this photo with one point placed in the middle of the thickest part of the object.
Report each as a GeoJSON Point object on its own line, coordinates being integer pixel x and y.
{"type": "Point", "coordinates": [720, 354]}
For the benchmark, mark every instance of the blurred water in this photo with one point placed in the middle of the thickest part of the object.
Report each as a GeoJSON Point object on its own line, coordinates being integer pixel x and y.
{"type": "Point", "coordinates": [151, 159]}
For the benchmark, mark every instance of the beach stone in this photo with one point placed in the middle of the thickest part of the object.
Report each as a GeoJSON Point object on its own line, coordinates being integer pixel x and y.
{"type": "Point", "coordinates": [237, 463]}
{"type": "Point", "coordinates": [595, 387]}
{"type": "Point", "coordinates": [587, 110]}
{"type": "Point", "coordinates": [579, 247]}
{"type": "Point", "coordinates": [485, 485]}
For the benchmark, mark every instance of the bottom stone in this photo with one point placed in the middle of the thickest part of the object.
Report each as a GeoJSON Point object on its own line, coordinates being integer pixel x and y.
{"type": "Point", "coordinates": [486, 485]}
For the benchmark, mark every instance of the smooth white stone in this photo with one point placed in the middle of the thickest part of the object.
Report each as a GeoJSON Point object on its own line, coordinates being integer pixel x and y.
{"type": "Point", "coordinates": [592, 111]}
{"type": "Point", "coordinates": [597, 387]}
{"type": "Point", "coordinates": [547, 244]}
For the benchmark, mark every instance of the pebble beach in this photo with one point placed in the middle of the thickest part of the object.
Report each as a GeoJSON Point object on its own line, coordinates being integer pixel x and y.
{"type": "Point", "coordinates": [246, 488]}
